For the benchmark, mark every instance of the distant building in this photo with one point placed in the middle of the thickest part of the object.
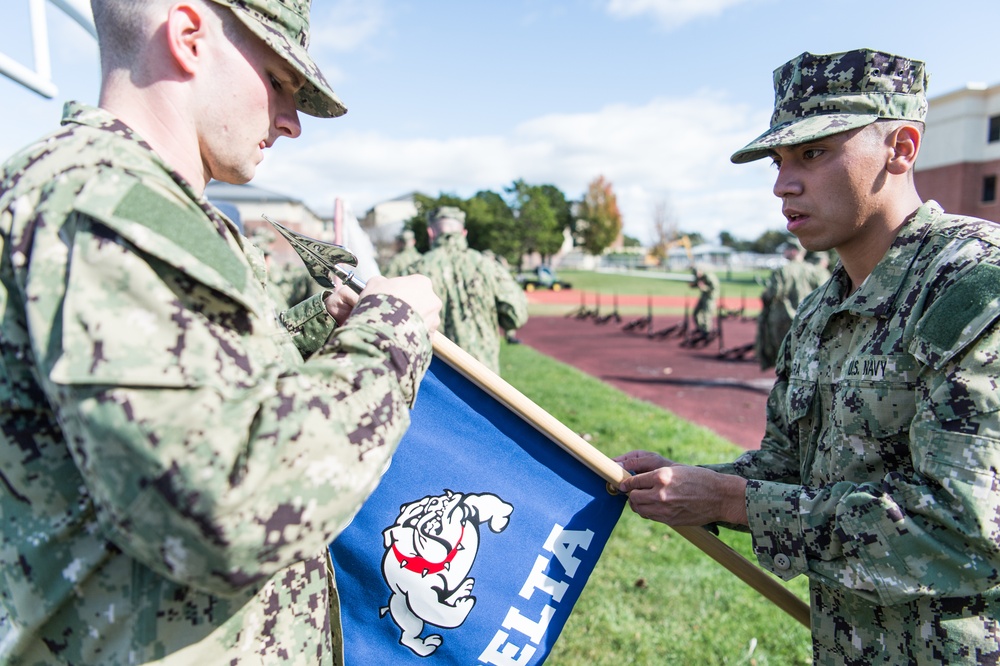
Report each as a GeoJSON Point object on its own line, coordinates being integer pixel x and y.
{"type": "Point", "coordinates": [252, 203]}
{"type": "Point", "coordinates": [708, 254]}
{"type": "Point", "coordinates": [384, 221]}
{"type": "Point", "coordinates": [960, 158]}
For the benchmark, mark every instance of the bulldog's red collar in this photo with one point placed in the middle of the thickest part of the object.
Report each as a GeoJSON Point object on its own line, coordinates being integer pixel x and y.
{"type": "Point", "coordinates": [422, 566]}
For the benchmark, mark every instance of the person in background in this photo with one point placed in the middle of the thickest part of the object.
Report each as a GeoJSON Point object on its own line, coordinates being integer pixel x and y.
{"type": "Point", "coordinates": [288, 284]}
{"type": "Point", "coordinates": [509, 334]}
{"type": "Point", "coordinates": [177, 456]}
{"type": "Point", "coordinates": [479, 295]}
{"type": "Point", "coordinates": [879, 471]}
{"type": "Point", "coordinates": [406, 256]}
{"type": "Point", "coordinates": [820, 261]}
{"type": "Point", "coordinates": [785, 288]}
{"type": "Point", "coordinates": [293, 282]}
{"type": "Point", "coordinates": [707, 284]}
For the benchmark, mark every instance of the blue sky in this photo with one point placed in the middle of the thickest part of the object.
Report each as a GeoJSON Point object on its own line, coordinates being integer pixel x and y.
{"type": "Point", "coordinates": [448, 96]}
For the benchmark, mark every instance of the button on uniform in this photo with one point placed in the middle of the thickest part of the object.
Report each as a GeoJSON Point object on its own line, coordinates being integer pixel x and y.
{"type": "Point", "coordinates": [782, 562]}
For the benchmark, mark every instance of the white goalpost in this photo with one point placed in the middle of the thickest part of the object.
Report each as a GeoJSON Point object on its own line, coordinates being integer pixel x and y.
{"type": "Point", "coordinates": [39, 77]}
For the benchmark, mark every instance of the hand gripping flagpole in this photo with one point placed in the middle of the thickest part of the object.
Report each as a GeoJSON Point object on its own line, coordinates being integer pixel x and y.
{"type": "Point", "coordinates": [323, 259]}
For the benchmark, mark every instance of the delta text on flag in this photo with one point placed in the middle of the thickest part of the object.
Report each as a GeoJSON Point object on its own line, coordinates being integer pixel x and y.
{"type": "Point", "coordinates": [476, 543]}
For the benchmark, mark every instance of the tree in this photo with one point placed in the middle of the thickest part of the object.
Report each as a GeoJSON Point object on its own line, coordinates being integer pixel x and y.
{"type": "Point", "coordinates": [600, 217]}
{"type": "Point", "coordinates": [492, 226]}
{"type": "Point", "coordinates": [532, 220]}
{"type": "Point", "coordinates": [562, 207]}
{"type": "Point", "coordinates": [425, 206]}
{"type": "Point", "coordinates": [664, 228]}
{"type": "Point", "coordinates": [537, 217]}
{"type": "Point", "coordinates": [694, 237]}
{"type": "Point", "coordinates": [769, 242]}
{"type": "Point", "coordinates": [726, 239]}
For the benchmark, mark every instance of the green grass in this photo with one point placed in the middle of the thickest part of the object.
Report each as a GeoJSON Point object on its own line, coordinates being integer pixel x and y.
{"type": "Point", "coordinates": [654, 598]}
{"type": "Point", "coordinates": [651, 283]}
{"type": "Point", "coordinates": [657, 283]}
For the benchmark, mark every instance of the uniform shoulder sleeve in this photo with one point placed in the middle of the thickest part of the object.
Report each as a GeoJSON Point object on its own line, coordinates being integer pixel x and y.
{"type": "Point", "coordinates": [172, 229]}
{"type": "Point", "coordinates": [958, 315]}
{"type": "Point", "coordinates": [149, 289]}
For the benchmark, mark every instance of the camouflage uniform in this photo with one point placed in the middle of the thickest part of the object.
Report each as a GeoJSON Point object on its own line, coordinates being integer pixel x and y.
{"type": "Point", "coordinates": [785, 289]}
{"type": "Point", "coordinates": [478, 295]}
{"type": "Point", "coordinates": [878, 474]}
{"type": "Point", "coordinates": [293, 283]}
{"type": "Point", "coordinates": [173, 468]}
{"type": "Point", "coordinates": [402, 262]}
{"type": "Point", "coordinates": [708, 298]}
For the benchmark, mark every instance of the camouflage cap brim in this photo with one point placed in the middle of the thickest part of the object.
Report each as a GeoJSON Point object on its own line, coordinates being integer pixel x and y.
{"type": "Point", "coordinates": [800, 131]}
{"type": "Point", "coordinates": [449, 212]}
{"type": "Point", "coordinates": [315, 98]}
{"type": "Point", "coordinates": [819, 95]}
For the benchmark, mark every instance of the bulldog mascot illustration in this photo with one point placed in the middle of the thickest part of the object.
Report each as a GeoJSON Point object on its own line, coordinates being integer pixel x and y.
{"type": "Point", "coordinates": [429, 554]}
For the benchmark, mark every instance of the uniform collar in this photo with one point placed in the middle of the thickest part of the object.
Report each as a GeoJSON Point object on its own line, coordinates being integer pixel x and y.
{"type": "Point", "coordinates": [77, 113]}
{"type": "Point", "coordinates": [92, 116]}
{"type": "Point", "coordinates": [876, 297]}
{"type": "Point", "coordinates": [452, 241]}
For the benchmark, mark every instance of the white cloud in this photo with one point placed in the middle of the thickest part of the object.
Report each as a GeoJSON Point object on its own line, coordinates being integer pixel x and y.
{"type": "Point", "coordinates": [674, 150]}
{"type": "Point", "coordinates": [345, 25]}
{"type": "Point", "coordinates": [670, 13]}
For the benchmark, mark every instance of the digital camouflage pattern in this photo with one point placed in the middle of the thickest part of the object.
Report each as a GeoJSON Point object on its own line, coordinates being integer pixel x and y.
{"type": "Point", "coordinates": [878, 473]}
{"type": "Point", "coordinates": [173, 470]}
{"type": "Point", "coordinates": [402, 262]}
{"type": "Point", "coordinates": [820, 95]}
{"type": "Point", "coordinates": [288, 284]}
{"type": "Point", "coordinates": [284, 26]}
{"type": "Point", "coordinates": [477, 294]}
{"type": "Point", "coordinates": [293, 282]}
{"type": "Point", "coordinates": [785, 289]}
{"type": "Point", "coordinates": [708, 298]}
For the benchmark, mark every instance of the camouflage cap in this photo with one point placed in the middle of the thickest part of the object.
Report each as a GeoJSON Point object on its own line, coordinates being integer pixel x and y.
{"type": "Point", "coordinates": [818, 257]}
{"type": "Point", "coordinates": [262, 239]}
{"type": "Point", "coordinates": [789, 248]}
{"type": "Point", "coordinates": [284, 26]}
{"type": "Point", "coordinates": [793, 243]}
{"type": "Point", "coordinates": [449, 212]}
{"type": "Point", "coordinates": [820, 95]}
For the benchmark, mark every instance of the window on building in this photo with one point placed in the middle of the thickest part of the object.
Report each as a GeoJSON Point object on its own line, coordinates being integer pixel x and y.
{"type": "Point", "coordinates": [989, 189]}
{"type": "Point", "coordinates": [994, 129]}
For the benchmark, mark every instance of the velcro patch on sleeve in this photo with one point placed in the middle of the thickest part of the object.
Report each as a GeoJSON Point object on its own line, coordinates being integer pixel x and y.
{"type": "Point", "coordinates": [184, 228]}
{"type": "Point", "coordinates": [962, 312]}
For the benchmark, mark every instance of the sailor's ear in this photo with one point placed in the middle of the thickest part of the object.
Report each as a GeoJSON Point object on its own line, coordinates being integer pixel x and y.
{"type": "Point", "coordinates": [186, 30]}
{"type": "Point", "coordinates": [904, 144]}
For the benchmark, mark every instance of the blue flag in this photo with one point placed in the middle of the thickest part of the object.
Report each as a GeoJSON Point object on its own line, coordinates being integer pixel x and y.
{"type": "Point", "coordinates": [477, 542]}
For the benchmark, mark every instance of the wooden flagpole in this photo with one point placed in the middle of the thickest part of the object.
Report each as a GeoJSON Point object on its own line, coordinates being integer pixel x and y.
{"type": "Point", "coordinates": [613, 473]}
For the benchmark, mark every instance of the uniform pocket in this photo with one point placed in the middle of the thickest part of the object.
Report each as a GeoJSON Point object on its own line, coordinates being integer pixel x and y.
{"type": "Point", "coordinates": [799, 398]}
{"type": "Point", "coordinates": [877, 396]}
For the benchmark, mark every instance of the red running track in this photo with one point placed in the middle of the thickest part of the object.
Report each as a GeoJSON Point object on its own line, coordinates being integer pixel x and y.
{"type": "Point", "coordinates": [576, 297]}
{"type": "Point", "coordinates": [725, 396]}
